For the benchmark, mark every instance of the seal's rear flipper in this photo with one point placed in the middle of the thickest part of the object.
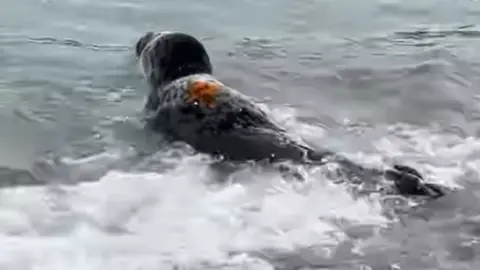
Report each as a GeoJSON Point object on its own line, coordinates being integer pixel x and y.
{"type": "Point", "coordinates": [409, 181]}
{"type": "Point", "coordinates": [436, 190]}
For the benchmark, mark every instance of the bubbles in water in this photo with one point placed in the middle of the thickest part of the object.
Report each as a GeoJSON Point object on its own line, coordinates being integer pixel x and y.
{"type": "Point", "coordinates": [174, 218]}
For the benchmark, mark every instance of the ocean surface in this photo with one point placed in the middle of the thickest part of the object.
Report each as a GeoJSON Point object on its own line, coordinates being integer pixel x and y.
{"type": "Point", "coordinates": [377, 80]}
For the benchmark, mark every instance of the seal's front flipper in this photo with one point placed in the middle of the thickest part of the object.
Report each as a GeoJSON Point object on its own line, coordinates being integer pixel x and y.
{"type": "Point", "coordinates": [290, 172]}
{"type": "Point", "coordinates": [408, 181]}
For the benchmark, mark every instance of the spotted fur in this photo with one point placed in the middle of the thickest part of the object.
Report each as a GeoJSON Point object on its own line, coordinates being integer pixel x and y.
{"type": "Point", "coordinates": [235, 127]}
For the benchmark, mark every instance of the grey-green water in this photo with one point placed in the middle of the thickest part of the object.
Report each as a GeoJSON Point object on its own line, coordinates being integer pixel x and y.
{"type": "Point", "coordinates": [378, 80]}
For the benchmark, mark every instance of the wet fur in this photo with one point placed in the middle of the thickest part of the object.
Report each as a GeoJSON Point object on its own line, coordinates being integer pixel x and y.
{"type": "Point", "coordinates": [237, 129]}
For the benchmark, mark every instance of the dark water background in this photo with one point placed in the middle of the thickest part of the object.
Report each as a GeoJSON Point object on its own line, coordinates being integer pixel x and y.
{"type": "Point", "coordinates": [378, 80]}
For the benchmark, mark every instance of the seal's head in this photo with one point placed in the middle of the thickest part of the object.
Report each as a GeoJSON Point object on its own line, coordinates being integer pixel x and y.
{"type": "Point", "coordinates": [167, 56]}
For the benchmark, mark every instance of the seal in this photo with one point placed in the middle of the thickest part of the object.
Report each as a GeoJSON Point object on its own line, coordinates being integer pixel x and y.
{"type": "Point", "coordinates": [187, 103]}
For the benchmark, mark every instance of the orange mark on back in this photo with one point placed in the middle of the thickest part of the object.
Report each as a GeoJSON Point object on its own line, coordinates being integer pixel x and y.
{"type": "Point", "coordinates": [204, 92]}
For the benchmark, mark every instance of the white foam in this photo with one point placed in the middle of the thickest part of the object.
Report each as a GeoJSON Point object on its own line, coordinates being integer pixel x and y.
{"type": "Point", "coordinates": [156, 220]}
{"type": "Point", "coordinates": [128, 220]}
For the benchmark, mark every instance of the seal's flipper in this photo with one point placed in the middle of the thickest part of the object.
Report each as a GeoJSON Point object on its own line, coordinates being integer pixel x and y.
{"type": "Point", "coordinates": [435, 190]}
{"type": "Point", "coordinates": [408, 169]}
{"type": "Point", "coordinates": [408, 181]}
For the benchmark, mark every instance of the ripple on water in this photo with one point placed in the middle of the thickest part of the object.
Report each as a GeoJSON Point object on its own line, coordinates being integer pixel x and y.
{"type": "Point", "coordinates": [161, 219]}
{"type": "Point", "coordinates": [67, 69]}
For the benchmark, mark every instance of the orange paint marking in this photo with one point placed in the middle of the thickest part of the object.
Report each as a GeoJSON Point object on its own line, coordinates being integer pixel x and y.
{"type": "Point", "coordinates": [204, 92]}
